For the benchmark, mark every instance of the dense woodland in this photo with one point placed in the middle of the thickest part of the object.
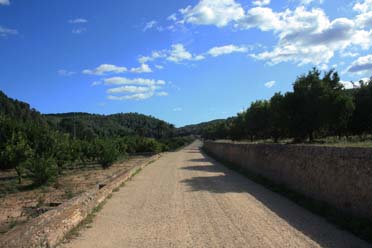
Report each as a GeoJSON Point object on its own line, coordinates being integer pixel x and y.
{"type": "Point", "coordinates": [319, 106]}
{"type": "Point", "coordinates": [43, 146]}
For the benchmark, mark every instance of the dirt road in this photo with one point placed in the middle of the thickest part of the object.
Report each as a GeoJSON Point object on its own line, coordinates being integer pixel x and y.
{"type": "Point", "coordinates": [188, 200]}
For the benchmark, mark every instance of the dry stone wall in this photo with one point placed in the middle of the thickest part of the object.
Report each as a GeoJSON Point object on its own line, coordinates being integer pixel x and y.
{"type": "Point", "coordinates": [341, 177]}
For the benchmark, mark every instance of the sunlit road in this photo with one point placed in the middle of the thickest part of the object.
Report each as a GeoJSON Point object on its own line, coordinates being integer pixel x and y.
{"type": "Point", "coordinates": [188, 200]}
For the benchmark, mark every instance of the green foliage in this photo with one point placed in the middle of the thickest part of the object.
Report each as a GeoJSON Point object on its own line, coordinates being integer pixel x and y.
{"type": "Point", "coordinates": [43, 170]}
{"type": "Point", "coordinates": [17, 154]}
{"type": "Point", "coordinates": [317, 107]}
{"type": "Point", "coordinates": [90, 126]}
{"type": "Point", "coordinates": [42, 147]}
{"type": "Point", "coordinates": [107, 152]}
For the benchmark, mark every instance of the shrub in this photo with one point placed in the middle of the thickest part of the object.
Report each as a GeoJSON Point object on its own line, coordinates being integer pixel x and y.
{"type": "Point", "coordinates": [107, 153]}
{"type": "Point", "coordinates": [43, 170]}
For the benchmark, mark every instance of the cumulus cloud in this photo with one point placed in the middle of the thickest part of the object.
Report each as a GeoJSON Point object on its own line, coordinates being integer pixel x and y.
{"type": "Point", "coordinates": [213, 12]}
{"type": "Point", "coordinates": [361, 65]}
{"type": "Point", "coordinates": [134, 89]}
{"type": "Point", "coordinates": [155, 55]}
{"type": "Point", "coordinates": [172, 17]}
{"type": "Point", "coordinates": [139, 96]}
{"type": "Point", "coordinates": [261, 2]}
{"type": "Point", "coordinates": [308, 36]}
{"type": "Point", "coordinates": [130, 89]}
{"type": "Point", "coordinates": [364, 20]}
{"type": "Point", "coordinates": [78, 20]}
{"type": "Point", "coordinates": [143, 68]}
{"type": "Point", "coordinates": [306, 2]}
{"type": "Point", "coordinates": [228, 49]}
{"type": "Point", "coordinates": [4, 2]}
{"type": "Point", "coordinates": [135, 81]}
{"type": "Point", "coordinates": [270, 84]}
{"type": "Point", "coordinates": [105, 68]}
{"type": "Point", "coordinates": [304, 36]}
{"type": "Point", "coordinates": [5, 32]}
{"type": "Point", "coordinates": [363, 6]}
{"type": "Point", "coordinates": [262, 18]}
{"type": "Point", "coordinates": [178, 53]}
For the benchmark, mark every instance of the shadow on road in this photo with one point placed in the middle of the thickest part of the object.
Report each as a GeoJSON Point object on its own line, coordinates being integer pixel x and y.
{"type": "Point", "coordinates": [221, 180]}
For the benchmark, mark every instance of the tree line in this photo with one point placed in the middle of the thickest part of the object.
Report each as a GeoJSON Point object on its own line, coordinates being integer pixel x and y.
{"type": "Point", "coordinates": [319, 106]}
{"type": "Point", "coordinates": [42, 147]}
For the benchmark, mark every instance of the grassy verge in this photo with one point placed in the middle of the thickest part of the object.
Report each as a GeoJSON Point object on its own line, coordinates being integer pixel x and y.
{"type": "Point", "coordinates": [360, 227]}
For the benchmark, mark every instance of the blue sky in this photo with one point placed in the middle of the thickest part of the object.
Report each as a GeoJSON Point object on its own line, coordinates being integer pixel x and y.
{"type": "Point", "coordinates": [181, 61]}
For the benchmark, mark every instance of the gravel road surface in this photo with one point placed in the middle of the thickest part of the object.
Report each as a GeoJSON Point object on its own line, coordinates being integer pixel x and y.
{"type": "Point", "coordinates": [186, 199]}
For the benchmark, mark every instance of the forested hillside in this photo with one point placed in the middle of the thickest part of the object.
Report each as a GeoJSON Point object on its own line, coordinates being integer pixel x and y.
{"type": "Point", "coordinates": [197, 129]}
{"type": "Point", "coordinates": [19, 110]}
{"type": "Point", "coordinates": [41, 147]}
{"type": "Point", "coordinates": [89, 126]}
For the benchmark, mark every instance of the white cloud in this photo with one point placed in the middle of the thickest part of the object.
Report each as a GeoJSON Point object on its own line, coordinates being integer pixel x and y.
{"type": "Point", "coordinates": [131, 89]}
{"type": "Point", "coordinates": [353, 85]}
{"type": "Point", "coordinates": [213, 12]}
{"type": "Point", "coordinates": [178, 53]}
{"type": "Point", "coordinates": [78, 20]}
{"type": "Point", "coordinates": [361, 65]}
{"type": "Point", "coordinates": [162, 93]}
{"type": "Point", "coordinates": [4, 2]}
{"type": "Point", "coordinates": [172, 17]}
{"type": "Point", "coordinates": [296, 54]}
{"type": "Point", "coordinates": [350, 85]}
{"type": "Point", "coordinates": [155, 55]}
{"type": "Point", "coordinates": [306, 2]}
{"type": "Point", "coordinates": [134, 89]}
{"type": "Point", "coordinates": [159, 67]}
{"type": "Point", "coordinates": [261, 2]}
{"type": "Point", "coordinates": [143, 68]}
{"type": "Point", "coordinates": [270, 84]}
{"type": "Point", "coordinates": [79, 30]}
{"type": "Point", "coordinates": [65, 73]}
{"type": "Point", "coordinates": [363, 6]}
{"type": "Point", "coordinates": [5, 32]}
{"type": "Point", "coordinates": [349, 54]}
{"type": "Point", "coordinates": [135, 81]}
{"type": "Point", "coordinates": [305, 36]}
{"type": "Point", "coordinates": [105, 68]}
{"type": "Point", "coordinates": [153, 25]}
{"type": "Point", "coordinates": [262, 18]}
{"type": "Point", "coordinates": [177, 109]}
{"type": "Point", "coordinates": [138, 96]}
{"type": "Point", "coordinates": [309, 37]}
{"type": "Point", "coordinates": [228, 49]}
{"type": "Point", "coordinates": [364, 20]}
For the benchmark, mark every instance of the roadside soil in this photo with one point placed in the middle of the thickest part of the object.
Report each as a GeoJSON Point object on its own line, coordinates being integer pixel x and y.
{"type": "Point", "coordinates": [21, 202]}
